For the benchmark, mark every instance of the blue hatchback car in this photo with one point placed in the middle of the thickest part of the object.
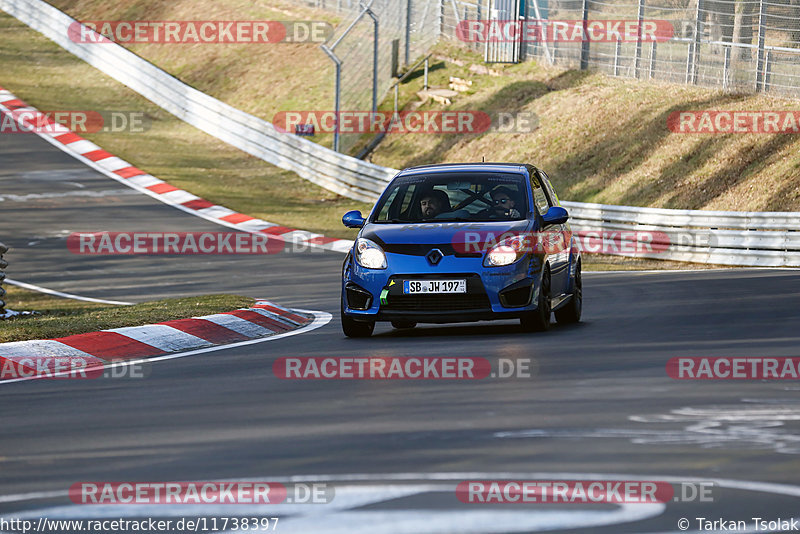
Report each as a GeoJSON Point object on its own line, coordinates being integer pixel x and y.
{"type": "Point", "coordinates": [462, 242]}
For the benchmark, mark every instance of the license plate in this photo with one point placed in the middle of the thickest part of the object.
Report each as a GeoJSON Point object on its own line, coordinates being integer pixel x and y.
{"type": "Point", "coordinates": [434, 286]}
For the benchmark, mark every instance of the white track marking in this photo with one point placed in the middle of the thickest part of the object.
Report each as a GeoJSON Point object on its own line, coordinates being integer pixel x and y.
{"type": "Point", "coordinates": [42, 348]}
{"type": "Point", "coordinates": [78, 148]}
{"type": "Point", "coordinates": [237, 324]}
{"type": "Point", "coordinates": [180, 196]}
{"type": "Point", "coordinates": [255, 225]}
{"type": "Point", "coordinates": [746, 485]}
{"type": "Point", "coordinates": [84, 146]}
{"type": "Point", "coordinates": [113, 163]}
{"type": "Point", "coordinates": [162, 337]}
{"type": "Point", "coordinates": [68, 194]}
{"type": "Point", "coordinates": [144, 181]}
{"type": "Point", "coordinates": [351, 492]}
{"type": "Point", "coordinates": [754, 427]}
{"type": "Point", "coordinates": [41, 289]}
{"type": "Point", "coordinates": [321, 318]}
{"type": "Point", "coordinates": [275, 317]}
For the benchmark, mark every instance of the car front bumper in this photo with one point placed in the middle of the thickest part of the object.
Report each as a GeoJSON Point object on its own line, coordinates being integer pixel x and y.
{"type": "Point", "coordinates": [492, 292]}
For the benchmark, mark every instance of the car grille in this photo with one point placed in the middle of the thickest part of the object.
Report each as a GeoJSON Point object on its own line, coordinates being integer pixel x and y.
{"type": "Point", "coordinates": [474, 299]}
{"type": "Point", "coordinates": [440, 302]}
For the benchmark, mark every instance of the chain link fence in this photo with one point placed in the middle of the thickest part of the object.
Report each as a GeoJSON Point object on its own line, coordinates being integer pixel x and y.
{"type": "Point", "coordinates": [741, 45]}
{"type": "Point", "coordinates": [371, 46]}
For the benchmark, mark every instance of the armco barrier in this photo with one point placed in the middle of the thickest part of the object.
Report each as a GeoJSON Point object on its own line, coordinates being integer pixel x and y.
{"type": "Point", "coordinates": [728, 238]}
{"type": "Point", "coordinates": [759, 239]}
{"type": "Point", "coordinates": [341, 174]}
{"type": "Point", "coordinates": [3, 265]}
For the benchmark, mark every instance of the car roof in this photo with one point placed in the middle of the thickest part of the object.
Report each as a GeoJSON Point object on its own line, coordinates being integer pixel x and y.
{"type": "Point", "coordinates": [464, 167]}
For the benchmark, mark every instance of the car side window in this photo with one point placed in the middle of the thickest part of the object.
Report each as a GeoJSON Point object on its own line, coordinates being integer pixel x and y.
{"type": "Point", "coordinates": [550, 191]}
{"type": "Point", "coordinates": [388, 206]}
{"type": "Point", "coordinates": [539, 197]}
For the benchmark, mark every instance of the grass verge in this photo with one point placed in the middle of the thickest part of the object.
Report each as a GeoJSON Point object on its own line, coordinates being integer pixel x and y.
{"type": "Point", "coordinates": [605, 139]}
{"type": "Point", "coordinates": [34, 68]}
{"type": "Point", "coordinates": [63, 317]}
{"type": "Point", "coordinates": [601, 139]}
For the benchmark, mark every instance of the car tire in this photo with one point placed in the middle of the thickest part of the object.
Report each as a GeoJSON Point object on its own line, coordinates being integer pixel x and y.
{"type": "Point", "coordinates": [403, 325]}
{"type": "Point", "coordinates": [539, 319]}
{"type": "Point", "coordinates": [353, 328]}
{"type": "Point", "coordinates": [571, 313]}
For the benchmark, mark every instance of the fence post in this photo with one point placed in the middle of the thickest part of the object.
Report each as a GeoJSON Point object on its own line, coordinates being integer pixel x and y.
{"type": "Point", "coordinates": [726, 65]}
{"type": "Point", "coordinates": [691, 67]}
{"type": "Point", "coordinates": [652, 71]}
{"type": "Point", "coordinates": [638, 56]}
{"type": "Point", "coordinates": [762, 12]}
{"type": "Point", "coordinates": [767, 71]}
{"type": "Point", "coordinates": [441, 18]}
{"type": "Point", "coordinates": [479, 17]}
{"type": "Point", "coordinates": [408, 32]}
{"type": "Point", "coordinates": [617, 52]}
{"type": "Point", "coordinates": [585, 44]}
{"type": "Point", "coordinates": [3, 265]}
{"type": "Point", "coordinates": [338, 87]}
{"type": "Point", "coordinates": [426, 75]}
{"type": "Point", "coordinates": [375, 41]}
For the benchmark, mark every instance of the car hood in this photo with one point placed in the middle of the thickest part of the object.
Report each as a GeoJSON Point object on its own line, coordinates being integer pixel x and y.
{"type": "Point", "coordinates": [445, 233]}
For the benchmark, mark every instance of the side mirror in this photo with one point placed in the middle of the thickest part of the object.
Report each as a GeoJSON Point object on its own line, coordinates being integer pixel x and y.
{"type": "Point", "coordinates": [555, 215]}
{"type": "Point", "coordinates": [353, 219]}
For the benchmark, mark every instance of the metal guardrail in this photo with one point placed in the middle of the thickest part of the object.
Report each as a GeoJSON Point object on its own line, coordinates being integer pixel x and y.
{"type": "Point", "coordinates": [3, 265]}
{"type": "Point", "coordinates": [759, 239]}
{"type": "Point", "coordinates": [339, 173]}
{"type": "Point", "coordinates": [731, 238]}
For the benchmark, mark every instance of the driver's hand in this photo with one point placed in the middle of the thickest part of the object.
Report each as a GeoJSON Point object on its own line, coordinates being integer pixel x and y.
{"type": "Point", "coordinates": [513, 213]}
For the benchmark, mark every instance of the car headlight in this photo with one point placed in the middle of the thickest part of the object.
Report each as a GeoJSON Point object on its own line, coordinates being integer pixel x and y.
{"type": "Point", "coordinates": [505, 252]}
{"type": "Point", "coordinates": [369, 254]}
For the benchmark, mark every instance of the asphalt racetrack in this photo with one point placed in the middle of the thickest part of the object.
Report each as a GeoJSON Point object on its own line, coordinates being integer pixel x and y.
{"type": "Point", "coordinates": [598, 403]}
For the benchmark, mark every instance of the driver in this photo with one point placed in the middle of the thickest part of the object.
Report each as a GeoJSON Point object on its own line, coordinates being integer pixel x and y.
{"type": "Point", "coordinates": [433, 203]}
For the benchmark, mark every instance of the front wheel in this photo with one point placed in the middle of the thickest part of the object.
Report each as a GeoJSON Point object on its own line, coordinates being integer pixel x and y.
{"type": "Point", "coordinates": [353, 328]}
{"type": "Point", "coordinates": [571, 313]}
{"type": "Point", "coordinates": [539, 319]}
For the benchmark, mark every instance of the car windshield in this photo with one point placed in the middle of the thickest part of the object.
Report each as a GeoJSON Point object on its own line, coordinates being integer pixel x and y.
{"type": "Point", "coordinates": [480, 196]}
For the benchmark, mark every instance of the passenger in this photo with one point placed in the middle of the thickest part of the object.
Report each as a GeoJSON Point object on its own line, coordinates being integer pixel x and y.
{"type": "Point", "coordinates": [503, 205]}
